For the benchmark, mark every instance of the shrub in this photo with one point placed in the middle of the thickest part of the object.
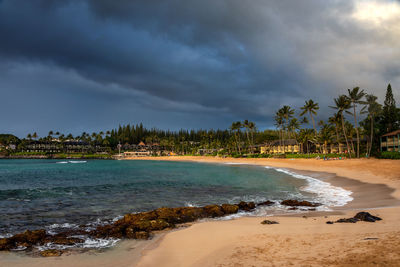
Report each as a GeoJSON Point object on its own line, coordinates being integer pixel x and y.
{"type": "Point", "coordinates": [389, 155]}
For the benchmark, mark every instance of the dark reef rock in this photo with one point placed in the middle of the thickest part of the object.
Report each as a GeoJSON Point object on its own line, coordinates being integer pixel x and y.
{"type": "Point", "coordinates": [361, 216]}
{"type": "Point", "coordinates": [266, 203]}
{"type": "Point", "coordinates": [347, 220]}
{"type": "Point", "coordinates": [296, 203]}
{"type": "Point", "coordinates": [269, 222]}
{"type": "Point", "coordinates": [367, 217]}
{"type": "Point", "coordinates": [247, 206]}
{"type": "Point", "coordinates": [68, 241]}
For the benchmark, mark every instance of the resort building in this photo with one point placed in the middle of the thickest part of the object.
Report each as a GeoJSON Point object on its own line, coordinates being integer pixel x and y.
{"type": "Point", "coordinates": [391, 141]}
{"type": "Point", "coordinates": [280, 147]}
{"type": "Point", "coordinates": [130, 154]}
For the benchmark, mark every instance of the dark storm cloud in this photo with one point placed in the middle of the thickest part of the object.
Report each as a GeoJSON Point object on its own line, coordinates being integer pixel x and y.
{"type": "Point", "coordinates": [186, 63]}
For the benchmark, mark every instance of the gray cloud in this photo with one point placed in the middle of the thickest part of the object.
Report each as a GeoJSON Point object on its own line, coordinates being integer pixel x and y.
{"type": "Point", "coordinates": [187, 63]}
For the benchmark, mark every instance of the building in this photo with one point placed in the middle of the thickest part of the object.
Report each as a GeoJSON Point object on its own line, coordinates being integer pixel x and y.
{"type": "Point", "coordinates": [130, 154]}
{"type": "Point", "coordinates": [280, 147]}
{"type": "Point", "coordinates": [391, 141]}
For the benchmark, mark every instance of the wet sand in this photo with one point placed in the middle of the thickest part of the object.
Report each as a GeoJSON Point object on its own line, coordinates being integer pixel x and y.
{"type": "Point", "coordinates": [296, 240]}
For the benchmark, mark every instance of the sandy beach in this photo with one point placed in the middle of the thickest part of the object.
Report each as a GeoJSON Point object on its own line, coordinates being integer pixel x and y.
{"type": "Point", "coordinates": [298, 240]}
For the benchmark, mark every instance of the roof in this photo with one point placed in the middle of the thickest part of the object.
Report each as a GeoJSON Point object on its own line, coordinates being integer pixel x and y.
{"type": "Point", "coordinates": [392, 133]}
{"type": "Point", "coordinates": [286, 142]}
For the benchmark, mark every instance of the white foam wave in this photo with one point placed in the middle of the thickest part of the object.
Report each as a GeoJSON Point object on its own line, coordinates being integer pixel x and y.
{"type": "Point", "coordinates": [63, 225]}
{"type": "Point", "coordinates": [235, 163]}
{"type": "Point", "coordinates": [97, 243]}
{"type": "Point", "coordinates": [62, 162]}
{"type": "Point", "coordinates": [327, 194]}
{"type": "Point", "coordinates": [77, 161]}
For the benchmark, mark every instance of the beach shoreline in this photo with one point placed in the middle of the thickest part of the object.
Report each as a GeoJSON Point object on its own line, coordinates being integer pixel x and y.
{"type": "Point", "coordinates": [377, 193]}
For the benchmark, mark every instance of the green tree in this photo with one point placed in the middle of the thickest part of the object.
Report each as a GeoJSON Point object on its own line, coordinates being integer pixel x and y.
{"type": "Point", "coordinates": [374, 109]}
{"type": "Point", "coordinates": [342, 104]}
{"type": "Point", "coordinates": [311, 108]}
{"type": "Point", "coordinates": [389, 111]}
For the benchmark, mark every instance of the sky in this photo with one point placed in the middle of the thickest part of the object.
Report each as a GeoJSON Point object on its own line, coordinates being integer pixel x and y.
{"type": "Point", "coordinates": [90, 65]}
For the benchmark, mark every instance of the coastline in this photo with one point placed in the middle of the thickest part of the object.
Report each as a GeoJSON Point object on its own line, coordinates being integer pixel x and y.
{"type": "Point", "coordinates": [245, 242]}
{"type": "Point", "coordinates": [298, 240]}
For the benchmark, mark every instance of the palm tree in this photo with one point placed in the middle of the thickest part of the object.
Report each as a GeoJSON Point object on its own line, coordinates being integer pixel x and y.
{"type": "Point", "coordinates": [280, 125]}
{"type": "Point", "coordinates": [286, 113]}
{"type": "Point", "coordinates": [355, 97]}
{"type": "Point", "coordinates": [235, 128]}
{"type": "Point", "coordinates": [341, 105]}
{"type": "Point", "coordinates": [335, 121]}
{"type": "Point", "coordinates": [29, 136]}
{"type": "Point", "coordinates": [374, 108]}
{"type": "Point", "coordinates": [34, 135]}
{"type": "Point", "coordinates": [245, 124]}
{"type": "Point", "coordinates": [252, 128]}
{"type": "Point", "coordinates": [311, 108]}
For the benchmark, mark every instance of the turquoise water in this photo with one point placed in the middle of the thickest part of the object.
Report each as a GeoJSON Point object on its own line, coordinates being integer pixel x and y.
{"type": "Point", "coordinates": [47, 193]}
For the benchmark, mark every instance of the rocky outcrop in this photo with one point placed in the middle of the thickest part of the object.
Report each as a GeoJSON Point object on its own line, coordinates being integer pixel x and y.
{"type": "Point", "coordinates": [135, 226]}
{"type": "Point", "coordinates": [266, 203]}
{"type": "Point", "coordinates": [269, 222]}
{"type": "Point", "coordinates": [361, 216]}
{"type": "Point", "coordinates": [296, 203]}
{"type": "Point", "coordinates": [366, 217]}
{"type": "Point", "coordinates": [247, 206]}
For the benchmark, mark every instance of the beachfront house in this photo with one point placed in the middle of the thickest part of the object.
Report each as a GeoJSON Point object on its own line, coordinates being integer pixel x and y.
{"type": "Point", "coordinates": [280, 147]}
{"type": "Point", "coordinates": [391, 141]}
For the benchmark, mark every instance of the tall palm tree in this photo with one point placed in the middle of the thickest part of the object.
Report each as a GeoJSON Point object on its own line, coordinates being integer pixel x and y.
{"type": "Point", "coordinates": [235, 128]}
{"type": "Point", "coordinates": [252, 128]}
{"type": "Point", "coordinates": [355, 97]}
{"type": "Point", "coordinates": [29, 136]}
{"type": "Point", "coordinates": [34, 135]}
{"type": "Point", "coordinates": [374, 108]}
{"type": "Point", "coordinates": [287, 113]}
{"type": "Point", "coordinates": [341, 105]}
{"type": "Point", "coordinates": [280, 124]}
{"type": "Point", "coordinates": [335, 120]}
{"type": "Point", "coordinates": [311, 108]}
{"type": "Point", "coordinates": [246, 125]}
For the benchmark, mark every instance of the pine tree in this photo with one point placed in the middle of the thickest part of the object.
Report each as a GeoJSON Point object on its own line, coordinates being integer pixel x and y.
{"type": "Point", "coordinates": [389, 110]}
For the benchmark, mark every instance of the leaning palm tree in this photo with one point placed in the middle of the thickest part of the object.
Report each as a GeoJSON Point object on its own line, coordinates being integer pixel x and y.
{"type": "Point", "coordinates": [374, 108]}
{"type": "Point", "coordinates": [341, 105]}
{"type": "Point", "coordinates": [335, 120]}
{"type": "Point", "coordinates": [246, 125]}
{"type": "Point", "coordinates": [252, 128]}
{"type": "Point", "coordinates": [355, 97]}
{"type": "Point", "coordinates": [311, 108]}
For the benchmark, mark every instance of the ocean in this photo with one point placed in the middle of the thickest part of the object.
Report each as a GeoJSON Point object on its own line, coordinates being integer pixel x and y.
{"type": "Point", "coordinates": [61, 194]}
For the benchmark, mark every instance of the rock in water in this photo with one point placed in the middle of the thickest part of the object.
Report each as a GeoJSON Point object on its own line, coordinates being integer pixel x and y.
{"type": "Point", "coordinates": [213, 211]}
{"type": "Point", "coordinates": [296, 203]}
{"type": "Point", "coordinates": [229, 209]}
{"type": "Point", "coordinates": [265, 203]}
{"type": "Point", "coordinates": [367, 217]}
{"type": "Point", "coordinates": [269, 222]}
{"type": "Point", "coordinates": [246, 206]}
